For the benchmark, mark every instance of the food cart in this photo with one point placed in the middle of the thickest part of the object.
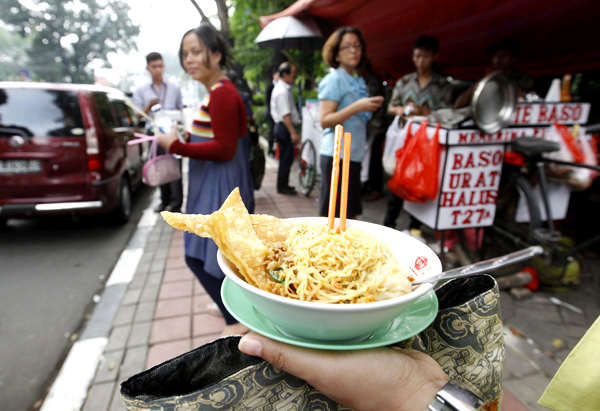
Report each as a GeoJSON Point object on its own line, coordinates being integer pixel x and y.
{"type": "Point", "coordinates": [471, 167]}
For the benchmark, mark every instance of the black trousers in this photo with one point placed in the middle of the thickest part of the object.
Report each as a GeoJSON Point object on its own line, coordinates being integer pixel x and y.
{"type": "Point", "coordinates": [171, 193]}
{"type": "Point", "coordinates": [211, 285]}
{"type": "Point", "coordinates": [286, 155]}
{"type": "Point", "coordinates": [271, 135]}
{"type": "Point", "coordinates": [392, 213]}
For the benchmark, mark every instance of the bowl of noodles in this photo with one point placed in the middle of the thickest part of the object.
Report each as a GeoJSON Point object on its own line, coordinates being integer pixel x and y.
{"type": "Point", "coordinates": [312, 282]}
{"type": "Point", "coordinates": [338, 287]}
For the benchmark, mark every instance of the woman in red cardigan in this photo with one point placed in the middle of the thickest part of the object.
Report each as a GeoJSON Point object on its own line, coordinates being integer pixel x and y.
{"type": "Point", "coordinates": [218, 150]}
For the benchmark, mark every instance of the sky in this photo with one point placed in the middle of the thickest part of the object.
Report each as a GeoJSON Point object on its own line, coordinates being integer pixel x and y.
{"type": "Point", "coordinates": [162, 24]}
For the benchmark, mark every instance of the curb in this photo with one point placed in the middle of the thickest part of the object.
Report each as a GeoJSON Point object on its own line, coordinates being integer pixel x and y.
{"type": "Point", "coordinates": [70, 388]}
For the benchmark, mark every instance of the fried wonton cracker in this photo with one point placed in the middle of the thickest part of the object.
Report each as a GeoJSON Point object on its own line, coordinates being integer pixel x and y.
{"type": "Point", "coordinates": [231, 229]}
{"type": "Point", "coordinates": [271, 229]}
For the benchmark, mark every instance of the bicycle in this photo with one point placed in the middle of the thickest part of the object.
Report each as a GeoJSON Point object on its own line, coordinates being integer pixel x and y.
{"type": "Point", "coordinates": [307, 172]}
{"type": "Point", "coordinates": [506, 235]}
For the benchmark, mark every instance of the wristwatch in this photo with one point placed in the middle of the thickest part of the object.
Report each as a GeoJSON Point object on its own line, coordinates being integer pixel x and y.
{"type": "Point", "coordinates": [455, 398]}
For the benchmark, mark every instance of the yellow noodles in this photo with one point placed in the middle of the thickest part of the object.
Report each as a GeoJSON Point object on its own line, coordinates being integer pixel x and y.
{"type": "Point", "coordinates": [324, 265]}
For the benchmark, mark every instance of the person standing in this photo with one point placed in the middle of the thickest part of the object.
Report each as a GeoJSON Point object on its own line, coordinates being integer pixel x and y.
{"type": "Point", "coordinates": [417, 94]}
{"type": "Point", "coordinates": [218, 153]}
{"type": "Point", "coordinates": [285, 115]}
{"type": "Point", "coordinates": [270, 122]}
{"type": "Point", "coordinates": [168, 95]}
{"type": "Point", "coordinates": [344, 100]}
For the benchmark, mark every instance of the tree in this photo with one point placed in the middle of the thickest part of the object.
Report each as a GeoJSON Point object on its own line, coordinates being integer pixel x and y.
{"type": "Point", "coordinates": [13, 54]}
{"type": "Point", "coordinates": [67, 36]}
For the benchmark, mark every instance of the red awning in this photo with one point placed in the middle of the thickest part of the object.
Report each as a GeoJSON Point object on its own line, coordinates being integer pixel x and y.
{"type": "Point", "coordinates": [556, 36]}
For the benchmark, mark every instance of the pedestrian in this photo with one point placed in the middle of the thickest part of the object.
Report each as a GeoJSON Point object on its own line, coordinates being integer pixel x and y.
{"type": "Point", "coordinates": [270, 122]}
{"type": "Point", "coordinates": [344, 100]}
{"type": "Point", "coordinates": [504, 56]}
{"type": "Point", "coordinates": [285, 115]}
{"type": "Point", "coordinates": [217, 152]}
{"type": "Point", "coordinates": [168, 95]}
{"type": "Point", "coordinates": [377, 126]}
{"type": "Point", "coordinates": [417, 94]}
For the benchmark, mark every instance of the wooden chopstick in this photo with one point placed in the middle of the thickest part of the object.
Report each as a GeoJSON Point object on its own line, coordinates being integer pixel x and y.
{"type": "Point", "coordinates": [335, 173]}
{"type": "Point", "coordinates": [345, 179]}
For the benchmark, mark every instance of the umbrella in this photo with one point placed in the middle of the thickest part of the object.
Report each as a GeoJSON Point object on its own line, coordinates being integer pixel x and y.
{"type": "Point", "coordinates": [299, 33]}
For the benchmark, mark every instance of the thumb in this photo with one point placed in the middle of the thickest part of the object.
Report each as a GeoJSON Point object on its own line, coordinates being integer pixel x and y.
{"type": "Point", "coordinates": [288, 358]}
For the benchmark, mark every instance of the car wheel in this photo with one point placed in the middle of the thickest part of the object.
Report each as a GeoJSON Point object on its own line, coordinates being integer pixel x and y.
{"type": "Point", "coordinates": [123, 211]}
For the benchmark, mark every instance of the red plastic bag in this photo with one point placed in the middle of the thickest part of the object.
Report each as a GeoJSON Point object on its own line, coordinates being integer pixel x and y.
{"type": "Point", "coordinates": [569, 141]}
{"type": "Point", "coordinates": [417, 167]}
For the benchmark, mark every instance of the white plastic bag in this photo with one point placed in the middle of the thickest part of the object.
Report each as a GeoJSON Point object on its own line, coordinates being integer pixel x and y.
{"type": "Point", "coordinates": [394, 140]}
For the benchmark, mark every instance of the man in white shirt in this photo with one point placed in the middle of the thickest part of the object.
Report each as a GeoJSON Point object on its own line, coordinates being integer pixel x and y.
{"type": "Point", "coordinates": [285, 115]}
{"type": "Point", "coordinates": [168, 95]}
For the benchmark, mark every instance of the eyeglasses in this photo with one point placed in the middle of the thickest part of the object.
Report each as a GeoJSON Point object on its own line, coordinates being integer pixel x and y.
{"type": "Point", "coordinates": [355, 47]}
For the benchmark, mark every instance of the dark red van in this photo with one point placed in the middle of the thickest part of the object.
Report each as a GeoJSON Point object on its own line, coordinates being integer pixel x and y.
{"type": "Point", "coordinates": [63, 150]}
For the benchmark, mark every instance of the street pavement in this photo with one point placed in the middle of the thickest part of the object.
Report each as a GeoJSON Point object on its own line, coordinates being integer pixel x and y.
{"type": "Point", "coordinates": [163, 314]}
{"type": "Point", "coordinates": [50, 270]}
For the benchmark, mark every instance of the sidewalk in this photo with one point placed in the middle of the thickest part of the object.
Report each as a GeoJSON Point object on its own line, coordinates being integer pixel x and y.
{"type": "Point", "coordinates": [163, 314]}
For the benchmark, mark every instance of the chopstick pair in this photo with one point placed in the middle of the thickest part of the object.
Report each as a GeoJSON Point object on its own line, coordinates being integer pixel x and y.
{"type": "Point", "coordinates": [335, 175]}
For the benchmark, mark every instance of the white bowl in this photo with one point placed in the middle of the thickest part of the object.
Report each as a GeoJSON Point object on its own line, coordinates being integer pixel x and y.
{"type": "Point", "coordinates": [342, 322]}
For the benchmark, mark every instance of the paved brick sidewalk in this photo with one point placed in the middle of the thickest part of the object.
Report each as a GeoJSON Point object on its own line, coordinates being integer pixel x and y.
{"type": "Point", "coordinates": [163, 313]}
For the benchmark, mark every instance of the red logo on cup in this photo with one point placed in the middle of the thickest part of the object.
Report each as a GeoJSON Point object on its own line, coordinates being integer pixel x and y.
{"type": "Point", "coordinates": [420, 262]}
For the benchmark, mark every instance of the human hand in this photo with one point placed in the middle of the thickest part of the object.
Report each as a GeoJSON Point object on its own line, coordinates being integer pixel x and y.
{"type": "Point", "coordinates": [295, 137]}
{"type": "Point", "coordinates": [165, 140]}
{"type": "Point", "coordinates": [151, 104]}
{"type": "Point", "coordinates": [369, 103]}
{"type": "Point", "coordinates": [375, 379]}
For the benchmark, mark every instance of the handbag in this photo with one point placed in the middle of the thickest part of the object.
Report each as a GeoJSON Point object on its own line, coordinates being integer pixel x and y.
{"type": "Point", "coordinates": [465, 338]}
{"type": "Point", "coordinates": [160, 170]}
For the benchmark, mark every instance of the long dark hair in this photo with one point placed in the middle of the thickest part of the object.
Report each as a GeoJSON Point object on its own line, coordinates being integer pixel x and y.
{"type": "Point", "coordinates": [214, 42]}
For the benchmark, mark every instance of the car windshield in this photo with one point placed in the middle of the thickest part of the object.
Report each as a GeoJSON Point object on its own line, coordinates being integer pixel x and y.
{"type": "Point", "coordinates": [40, 113]}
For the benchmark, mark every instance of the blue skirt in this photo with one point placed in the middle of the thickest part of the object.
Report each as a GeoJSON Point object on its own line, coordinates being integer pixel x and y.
{"type": "Point", "coordinates": [210, 183]}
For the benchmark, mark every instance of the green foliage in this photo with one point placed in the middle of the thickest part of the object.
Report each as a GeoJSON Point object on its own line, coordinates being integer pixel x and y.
{"type": "Point", "coordinates": [13, 54]}
{"type": "Point", "coordinates": [67, 36]}
{"type": "Point", "coordinates": [259, 99]}
{"type": "Point", "coordinates": [260, 63]}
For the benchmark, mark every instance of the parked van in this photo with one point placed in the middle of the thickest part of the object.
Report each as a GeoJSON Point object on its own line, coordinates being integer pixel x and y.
{"type": "Point", "coordinates": [63, 149]}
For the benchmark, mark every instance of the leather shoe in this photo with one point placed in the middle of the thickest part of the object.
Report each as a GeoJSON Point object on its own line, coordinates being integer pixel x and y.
{"type": "Point", "coordinates": [173, 209]}
{"type": "Point", "coordinates": [161, 207]}
{"type": "Point", "coordinates": [287, 191]}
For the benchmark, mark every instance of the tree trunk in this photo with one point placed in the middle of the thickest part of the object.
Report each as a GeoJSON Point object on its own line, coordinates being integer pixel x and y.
{"type": "Point", "coordinates": [223, 17]}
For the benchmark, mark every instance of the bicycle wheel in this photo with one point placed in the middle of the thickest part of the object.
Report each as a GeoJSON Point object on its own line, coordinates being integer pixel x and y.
{"type": "Point", "coordinates": [307, 174]}
{"type": "Point", "coordinates": [506, 235]}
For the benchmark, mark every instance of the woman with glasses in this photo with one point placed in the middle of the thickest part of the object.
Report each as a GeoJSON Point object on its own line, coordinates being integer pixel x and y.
{"type": "Point", "coordinates": [344, 100]}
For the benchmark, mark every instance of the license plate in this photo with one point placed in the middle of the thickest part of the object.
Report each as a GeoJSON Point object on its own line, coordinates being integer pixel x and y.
{"type": "Point", "coordinates": [8, 167]}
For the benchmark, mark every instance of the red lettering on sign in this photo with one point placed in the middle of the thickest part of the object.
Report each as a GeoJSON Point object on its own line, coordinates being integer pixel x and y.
{"type": "Point", "coordinates": [497, 159]}
{"type": "Point", "coordinates": [480, 180]}
{"type": "Point", "coordinates": [577, 110]}
{"type": "Point", "coordinates": [527, 114]}
{"type": "Point", "coordinates": [461, 200]}
{"type": "Point", "coordinates": [543, 112]}
{"type": "Point", "coordinates": [494, 174]}
{"type": "Point", "coordinates": [466, 181]}
{"type": "Point", "coordinates": [470, 163]}
{"type": "Point", "coordinates": [484, 158]}
{"type": "Point", "coordinates": [552, 117]}
{"type": "Point", "coordinates": [447, 199]}
{"type": "Point", "coordinates": [455, 214]}
{"type": "Point", "coordinates": [462, 138]}
{"type": "Point", "coordinates": [454, 180]}
{"type": "Point", "coordinates": [457, 161]}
